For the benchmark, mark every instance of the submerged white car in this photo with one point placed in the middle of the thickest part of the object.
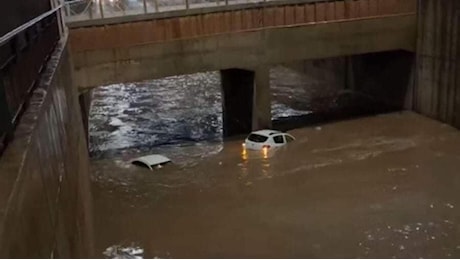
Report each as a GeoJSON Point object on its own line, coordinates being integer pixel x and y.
{"type": "Point", "coordinates": [151, 161]}
{"type": "Point", "coordinates": [267, 139]}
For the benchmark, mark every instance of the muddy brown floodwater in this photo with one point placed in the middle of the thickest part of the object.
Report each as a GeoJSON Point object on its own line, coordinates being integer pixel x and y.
{"type": "Point", "coordinates": [381, 186]}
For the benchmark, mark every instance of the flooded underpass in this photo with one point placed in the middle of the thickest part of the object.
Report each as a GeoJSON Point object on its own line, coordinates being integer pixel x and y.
{"type": "Point", "coordinates": [378, 186]}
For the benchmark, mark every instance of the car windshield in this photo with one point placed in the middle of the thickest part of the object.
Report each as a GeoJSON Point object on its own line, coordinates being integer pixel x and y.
{"type": "Point", "coordinates": [257, 138]}
{"type": "Point", "coordinates": [141, 164]}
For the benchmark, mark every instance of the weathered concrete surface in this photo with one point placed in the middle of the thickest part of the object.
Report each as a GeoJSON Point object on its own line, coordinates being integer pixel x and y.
{"type": "Point", "coordinates": [127, 32]}
{"type": "Point", "coordinates": [437, 92]}
{"type": "Point", "coordinates": [246, 50]}
{"type": "Point", "coordinates": [44, 182]}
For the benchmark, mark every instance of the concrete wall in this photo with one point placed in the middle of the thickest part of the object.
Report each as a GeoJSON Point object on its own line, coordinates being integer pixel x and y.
{"type": "Point", "coordinates": [246, 50]}
{"type": "Point", "coordinates": [141, 47]}
{"type": "Point", "coordinates": [437, 92]}
{"type": "Point", "coordinates": [45, 203]}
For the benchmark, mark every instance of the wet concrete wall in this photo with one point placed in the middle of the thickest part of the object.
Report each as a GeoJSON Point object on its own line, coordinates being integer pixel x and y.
{"type": "Point", "coordinates": [44, 182]}
{"type": "Point", "coordinates": [437, 91]}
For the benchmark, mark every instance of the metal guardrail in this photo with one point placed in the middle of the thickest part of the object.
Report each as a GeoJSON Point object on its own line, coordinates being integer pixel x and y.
{"type": "Point", "coordinates": [81, 13]}
{"type": "Point", "coordinates": [5, 38]}
{"type": "Point", "coordinates": [80, 10]}
{"type": "Point", "coordinates": [239, 5]}
{"type": "Point", "coordinates": [23, 54]}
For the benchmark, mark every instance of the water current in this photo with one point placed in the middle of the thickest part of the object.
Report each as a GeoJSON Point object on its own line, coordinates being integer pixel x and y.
{"type": "Point", "coordinates": [179, 111]}
{"type": "Point", "coordinates": [383, 186]}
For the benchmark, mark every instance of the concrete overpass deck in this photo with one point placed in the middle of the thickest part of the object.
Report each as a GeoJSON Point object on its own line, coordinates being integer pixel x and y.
{"type": "Point", "coordinates": [135, 48]}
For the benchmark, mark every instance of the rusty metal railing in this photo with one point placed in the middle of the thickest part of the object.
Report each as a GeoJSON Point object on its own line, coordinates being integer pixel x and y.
{"type": "Point", "coordinates": [23, 54]}
{"type": "Point", "coordinates": [80, 10]}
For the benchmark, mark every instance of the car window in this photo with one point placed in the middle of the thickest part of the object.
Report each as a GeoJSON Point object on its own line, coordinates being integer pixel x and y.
{"type": "Point", "coordinates": [278, 139]}
{"type": "Point", "coordinates": [257, 138]}
{"type": "Point", "coordinates": [289, 138]}
{"type": "Point", "coordinates": [141, 164]}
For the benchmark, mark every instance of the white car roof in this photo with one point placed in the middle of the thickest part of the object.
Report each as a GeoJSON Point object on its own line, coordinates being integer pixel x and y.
{"type": "Point", "coordinates": [152, 160]}
{"type": "Point", "coordinates": [266, 132]}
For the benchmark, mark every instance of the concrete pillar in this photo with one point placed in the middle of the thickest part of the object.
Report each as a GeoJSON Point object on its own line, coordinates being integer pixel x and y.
{"type": "Point", "coordinates": [261, 107]}
{"type": "Point", "coordinates": [85, 106]}
{"type": "Point", "coordinates": [246, 100]}
{"type": "Point", "coordinates": [237, 99]}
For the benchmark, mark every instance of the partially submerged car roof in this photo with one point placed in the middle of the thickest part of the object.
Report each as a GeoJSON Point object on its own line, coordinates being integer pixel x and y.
{"type": "Point", "coordinates": [151, 160]}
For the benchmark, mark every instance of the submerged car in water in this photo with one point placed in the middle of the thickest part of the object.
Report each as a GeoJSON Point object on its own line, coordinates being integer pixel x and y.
{"type": "Point", "coordinates": [267, 139]}
{"type": "Point", "coordinates": [151, 161]}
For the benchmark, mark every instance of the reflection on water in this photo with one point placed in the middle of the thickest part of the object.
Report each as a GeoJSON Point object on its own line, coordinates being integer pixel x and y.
{"type": "Point", "coordinates": [170, 112]}
{"type": "Point", "coordinates": [175, 110]}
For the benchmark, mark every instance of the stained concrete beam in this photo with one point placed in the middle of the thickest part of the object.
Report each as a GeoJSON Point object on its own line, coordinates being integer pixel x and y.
{"type": "Point", "coordinates": [246, 50]}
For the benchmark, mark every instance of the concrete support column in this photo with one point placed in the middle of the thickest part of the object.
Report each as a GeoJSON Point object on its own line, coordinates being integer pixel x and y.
{"type": "Point", "coordinates": [261, 107]}
{"type": "Point", "coordinates": [85, 106]}
{"type": "Point", "coordinates": [246, 100]}
{"type": "Point", "coordinates": [237, 99]}
{"type": "Point", "coordinates": [437, 75]}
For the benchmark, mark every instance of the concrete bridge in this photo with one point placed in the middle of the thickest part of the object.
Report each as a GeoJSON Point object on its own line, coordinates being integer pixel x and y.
{"type": "Point", "coordinates": [242, 41]}
{"type": "Point", "coordinates": [45, 202]}
{"type": "Point", "coordinates": [246, 36]}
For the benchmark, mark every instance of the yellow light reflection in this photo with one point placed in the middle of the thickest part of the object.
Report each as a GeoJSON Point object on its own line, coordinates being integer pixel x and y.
{"type": "Point", "coordinates": [265, 152]}
{"type": "Point", "coordinates": [244, 154]}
